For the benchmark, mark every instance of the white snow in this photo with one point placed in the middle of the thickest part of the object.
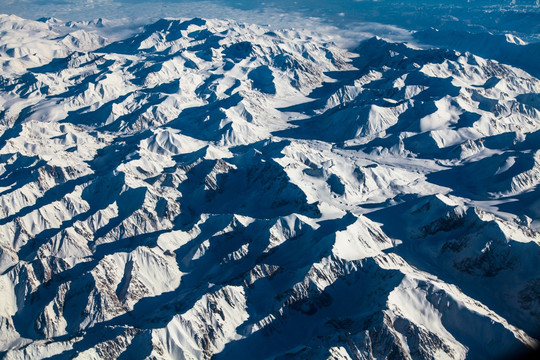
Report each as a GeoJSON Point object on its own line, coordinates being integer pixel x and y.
{"type": "Point", "coordinates": [196, 188]}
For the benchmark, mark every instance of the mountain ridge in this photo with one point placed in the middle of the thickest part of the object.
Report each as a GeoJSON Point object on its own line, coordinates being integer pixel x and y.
{"type": "Point", "coordinates": [211, 188]}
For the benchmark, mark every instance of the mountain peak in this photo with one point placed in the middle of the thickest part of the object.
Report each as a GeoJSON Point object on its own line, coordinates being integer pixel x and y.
{"type": "Point", "coordinates": [204, 188]}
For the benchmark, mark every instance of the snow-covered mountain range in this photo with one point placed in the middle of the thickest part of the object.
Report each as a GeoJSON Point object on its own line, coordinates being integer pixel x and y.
{"type": "Point", "coordinates": [207, 188]}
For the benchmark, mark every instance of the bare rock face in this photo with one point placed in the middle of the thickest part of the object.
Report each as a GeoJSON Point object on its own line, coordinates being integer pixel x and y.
{"type": "Point", "coordinates": [208, 189]}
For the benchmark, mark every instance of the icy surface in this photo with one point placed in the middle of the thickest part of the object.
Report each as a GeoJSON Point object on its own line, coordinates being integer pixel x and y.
{"type": "Point", "coordinates": [207, 188]}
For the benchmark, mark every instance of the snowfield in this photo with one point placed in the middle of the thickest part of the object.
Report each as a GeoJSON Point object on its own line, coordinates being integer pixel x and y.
{"type": "Point", "coordinates": [208, 188]}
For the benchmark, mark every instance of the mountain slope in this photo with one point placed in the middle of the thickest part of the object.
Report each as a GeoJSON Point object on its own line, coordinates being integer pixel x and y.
{"type": "Point", "coordinates": [207, 188]}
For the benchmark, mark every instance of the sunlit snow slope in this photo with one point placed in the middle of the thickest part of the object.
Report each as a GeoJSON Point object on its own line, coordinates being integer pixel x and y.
{"type": "Point", "coordinates": [213, 189]}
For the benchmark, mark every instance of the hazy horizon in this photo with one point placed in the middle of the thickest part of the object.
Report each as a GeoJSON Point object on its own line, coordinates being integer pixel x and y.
{"type": "Point", "coordinates": [503, 16]}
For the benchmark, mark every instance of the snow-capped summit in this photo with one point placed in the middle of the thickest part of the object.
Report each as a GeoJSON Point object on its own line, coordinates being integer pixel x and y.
{"type": "Point", "coordinates": [207, 188]}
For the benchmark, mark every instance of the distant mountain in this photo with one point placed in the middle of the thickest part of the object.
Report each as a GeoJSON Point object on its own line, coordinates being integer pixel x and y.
{"type": "Point", "coordinates": [508, 49]}
{"type": "Point", "coordinates": [208, 188]}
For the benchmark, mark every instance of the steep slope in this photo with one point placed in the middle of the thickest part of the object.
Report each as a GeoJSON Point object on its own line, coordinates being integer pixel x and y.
{"type": "Point", "coordinates": [206, 188]}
